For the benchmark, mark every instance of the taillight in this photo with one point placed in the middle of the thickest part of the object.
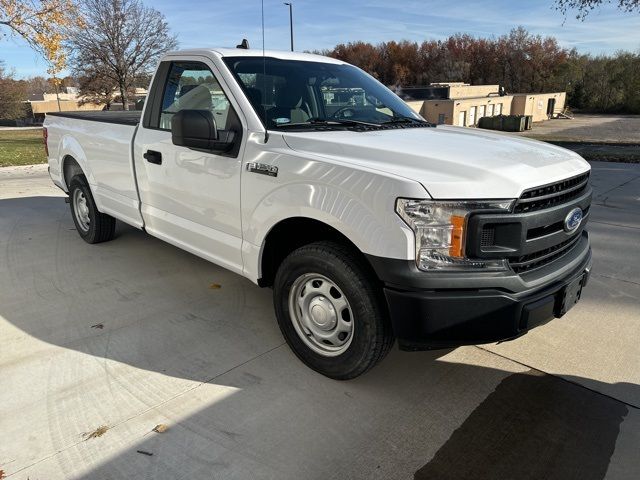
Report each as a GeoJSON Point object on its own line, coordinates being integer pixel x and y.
{"type": "Point", "coordinates": [45, 139]}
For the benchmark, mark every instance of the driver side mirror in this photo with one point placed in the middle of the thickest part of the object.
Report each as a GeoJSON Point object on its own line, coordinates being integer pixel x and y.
{"type": "Point", "coordinates": [197, 129]}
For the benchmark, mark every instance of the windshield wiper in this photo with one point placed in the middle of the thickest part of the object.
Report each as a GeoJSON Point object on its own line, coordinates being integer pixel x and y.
{"type": "Point", "coordinates": [353, 122]}
{"type": "Point", "coordinates": [337, 122]}
{"type": "Point", "coordinates": [317, 122]}
{"type": "Point", "coordinates": [400, 120]}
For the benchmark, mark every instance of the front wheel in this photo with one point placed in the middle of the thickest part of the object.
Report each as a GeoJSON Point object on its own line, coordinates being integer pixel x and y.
{"type": "Point", "coordinates": [331, 311]}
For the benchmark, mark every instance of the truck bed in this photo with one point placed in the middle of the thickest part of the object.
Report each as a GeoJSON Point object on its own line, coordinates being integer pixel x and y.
{"type": "Point", "coordinates": [131, 117]}
{"type": "Point", "coordinates": [101, 143]}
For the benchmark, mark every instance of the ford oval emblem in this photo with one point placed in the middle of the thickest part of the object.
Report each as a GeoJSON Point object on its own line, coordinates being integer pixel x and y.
{"type": "Point", "coordinates": [573, 220]}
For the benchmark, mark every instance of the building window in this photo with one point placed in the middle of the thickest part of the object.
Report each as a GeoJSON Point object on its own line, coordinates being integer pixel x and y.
{"type": "Point", "coordinates": [498, 109]}
{"type": "Point", "coordinates": [440, 118]}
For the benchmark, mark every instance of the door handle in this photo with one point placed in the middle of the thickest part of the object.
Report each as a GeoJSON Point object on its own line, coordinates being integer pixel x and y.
{"type": "Point", "coordinates": [152, 156]}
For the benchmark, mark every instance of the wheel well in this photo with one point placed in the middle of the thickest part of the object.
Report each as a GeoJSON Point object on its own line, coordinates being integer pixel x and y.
{"type": "Point", "coordinates": [70, 168]}
{"type": "Point", "coordinates": [293, 233]}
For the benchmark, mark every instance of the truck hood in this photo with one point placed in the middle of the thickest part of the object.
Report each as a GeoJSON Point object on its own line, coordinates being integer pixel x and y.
{"type": "Point", "coordinates": [449, 162]}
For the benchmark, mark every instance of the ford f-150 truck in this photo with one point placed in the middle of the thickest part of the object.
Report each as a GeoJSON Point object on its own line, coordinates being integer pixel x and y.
{"type": "Point", "coordinates": [305, 174]}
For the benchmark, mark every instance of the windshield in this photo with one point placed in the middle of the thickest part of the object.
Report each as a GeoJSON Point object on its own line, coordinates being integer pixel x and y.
{"type": "Point", "coordinates": [294, 93]}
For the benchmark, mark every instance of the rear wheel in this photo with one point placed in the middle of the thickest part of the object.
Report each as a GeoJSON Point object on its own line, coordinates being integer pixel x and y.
{"type": "Point", "coordinates": [92, 225]}
{"type": "Point", "coordinates": [331, 311]}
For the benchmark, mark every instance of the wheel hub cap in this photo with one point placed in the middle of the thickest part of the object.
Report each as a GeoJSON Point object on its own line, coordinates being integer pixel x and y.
{"type": "Point", "coordinates": [81, 210]}
{"type": "Point", "coordinates": [321, 314]}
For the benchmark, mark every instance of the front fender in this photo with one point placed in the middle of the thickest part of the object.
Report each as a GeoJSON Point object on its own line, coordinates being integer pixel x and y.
{"type": "Point", "coordinates": [377, 232]}
{"type": "Point", "coordinates": [361, 208]}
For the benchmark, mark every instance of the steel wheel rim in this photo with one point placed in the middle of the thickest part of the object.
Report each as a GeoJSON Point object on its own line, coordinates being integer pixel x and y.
{"type": "Point", "coordinates": [81, 210]}
{"type": "Point", "coordinates": [321, 314]}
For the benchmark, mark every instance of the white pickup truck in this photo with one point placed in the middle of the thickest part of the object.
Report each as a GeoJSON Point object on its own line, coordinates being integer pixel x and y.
{"type": "Point", "coordinates": [305, 174]}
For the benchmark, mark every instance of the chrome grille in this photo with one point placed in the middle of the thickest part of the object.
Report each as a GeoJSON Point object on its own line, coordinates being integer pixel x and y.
{"type": "Point", "coordinates": [553, 194]}
{"type": "Point", "coordinates": [543, 257]}
{"type": "Point", "coordinates": [534, 234]}
{"type": "Point", "coordinates": [541, 199]}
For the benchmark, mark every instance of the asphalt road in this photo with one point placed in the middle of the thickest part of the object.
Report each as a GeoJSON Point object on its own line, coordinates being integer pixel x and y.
{"type": "Point", "coordinates": [100, 344]}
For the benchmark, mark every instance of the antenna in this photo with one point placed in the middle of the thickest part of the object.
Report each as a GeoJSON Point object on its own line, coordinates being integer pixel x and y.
{"type": "Point", "coordinates": [264, 80]}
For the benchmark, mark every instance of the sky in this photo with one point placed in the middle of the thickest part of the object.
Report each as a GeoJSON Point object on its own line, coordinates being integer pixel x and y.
{"type": "Point", "coordinates": [323, 24]}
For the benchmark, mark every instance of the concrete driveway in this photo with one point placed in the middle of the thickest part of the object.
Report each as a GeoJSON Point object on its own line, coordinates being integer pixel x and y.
{"type": "Point", "coordinates": [100, 344]}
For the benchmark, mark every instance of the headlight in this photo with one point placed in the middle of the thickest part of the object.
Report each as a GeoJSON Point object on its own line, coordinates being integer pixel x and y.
{"type": "Point", "coordinates": [440, 230]}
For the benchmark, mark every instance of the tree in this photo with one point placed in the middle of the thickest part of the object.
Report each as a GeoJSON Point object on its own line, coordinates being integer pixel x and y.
{"type": "Point", "coordinates": [37, 86]}
{"type": "Point", "coordinates": [97, 89]}
{"type": "Point", "coordinates": [121, 41]}
{"type": "Point", "coordinates": [361, 54]}
{"type": "Point", "coordinates": [12, 96]}
{"type": "Point", "coordinates": [585, 6]}
{"type": "Point", "coordinates": [40, 85]}
{"type": "Point", "coordinates": [519, 61]}
{"type": "Point", "coordinates": [42, 24]}
{"type": "Point", "coordinates": [629, 80]}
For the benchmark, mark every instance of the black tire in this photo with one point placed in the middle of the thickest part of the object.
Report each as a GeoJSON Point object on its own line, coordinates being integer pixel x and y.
{"type": "Point", "coordinates": [101, 227]}
{"type": "Point", "coordinates": [372, 336]}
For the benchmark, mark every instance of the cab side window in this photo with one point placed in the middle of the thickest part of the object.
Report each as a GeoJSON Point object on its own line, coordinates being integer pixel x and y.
{"type": "Point", "coordinates": [192, 86]}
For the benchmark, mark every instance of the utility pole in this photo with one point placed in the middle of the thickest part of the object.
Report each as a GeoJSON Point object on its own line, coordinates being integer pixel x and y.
{"type": "Point", "coordinates": [290, 21]}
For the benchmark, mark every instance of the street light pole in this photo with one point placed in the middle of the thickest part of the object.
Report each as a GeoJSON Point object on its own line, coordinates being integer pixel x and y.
{"type": "Point", "coordinates": [290, 21]}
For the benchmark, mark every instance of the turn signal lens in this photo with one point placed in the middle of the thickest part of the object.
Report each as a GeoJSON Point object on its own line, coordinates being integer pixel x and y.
{"type": "Point", "coordinates": [457, 237]}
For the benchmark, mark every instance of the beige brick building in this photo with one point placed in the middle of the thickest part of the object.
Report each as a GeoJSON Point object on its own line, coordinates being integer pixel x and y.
{"type": "Point", "coordinates": [540, 105]}
{"type": "Point", "coordinates": [466, 104]}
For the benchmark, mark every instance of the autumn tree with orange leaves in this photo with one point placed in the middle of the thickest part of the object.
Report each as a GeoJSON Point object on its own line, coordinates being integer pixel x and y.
{"type": "Point", "coordinates": [518, 61]}
{"type": "Point", "coordinates": [42, 24]}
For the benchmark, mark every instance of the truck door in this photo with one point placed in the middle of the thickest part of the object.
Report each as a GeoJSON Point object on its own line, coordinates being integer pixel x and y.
{"type": "Point", "coordinates": [191, 198]}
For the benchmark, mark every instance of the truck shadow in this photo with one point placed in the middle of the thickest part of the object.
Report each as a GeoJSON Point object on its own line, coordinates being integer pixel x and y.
{"type": "Point", "coordinates": [255, 411]}
{"type": "Point", "coordinates": [531, 426]}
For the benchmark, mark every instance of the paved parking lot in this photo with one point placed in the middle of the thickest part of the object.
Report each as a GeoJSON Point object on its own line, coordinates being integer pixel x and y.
{"type": "Point", "coordinates": [100, 344]}
{"type": "Point", "coordinates": [599, 128]}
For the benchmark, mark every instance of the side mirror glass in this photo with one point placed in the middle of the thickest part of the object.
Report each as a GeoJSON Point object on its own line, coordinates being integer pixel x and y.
{"type": "Point", "coordinates": [197, 129]}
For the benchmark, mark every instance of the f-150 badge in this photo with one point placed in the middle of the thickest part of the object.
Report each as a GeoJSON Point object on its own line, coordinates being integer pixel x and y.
{"type": "Point", "coordinates": [262, 168]}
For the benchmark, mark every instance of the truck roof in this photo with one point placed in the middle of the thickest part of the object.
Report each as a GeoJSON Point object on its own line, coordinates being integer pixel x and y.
{"type": "Point", "coordinates": [255, 52]}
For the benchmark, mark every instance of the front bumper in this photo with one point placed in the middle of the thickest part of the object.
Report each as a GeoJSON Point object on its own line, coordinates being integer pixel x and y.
{"type": "Point", "coordinates": [474, 312]}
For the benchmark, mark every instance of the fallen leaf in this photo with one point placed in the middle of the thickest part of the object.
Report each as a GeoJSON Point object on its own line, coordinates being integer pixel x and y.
{"type": "Point", "coordinates": [160, 428]}
{"type": "Point", "coordinates": [215, 286]}
{"type": "Point", "coordinates": [98, 432]}
{"type": "Point", "coordinates": [99, 326]}
{"type": "Point", "coordinates": [1, 474]}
